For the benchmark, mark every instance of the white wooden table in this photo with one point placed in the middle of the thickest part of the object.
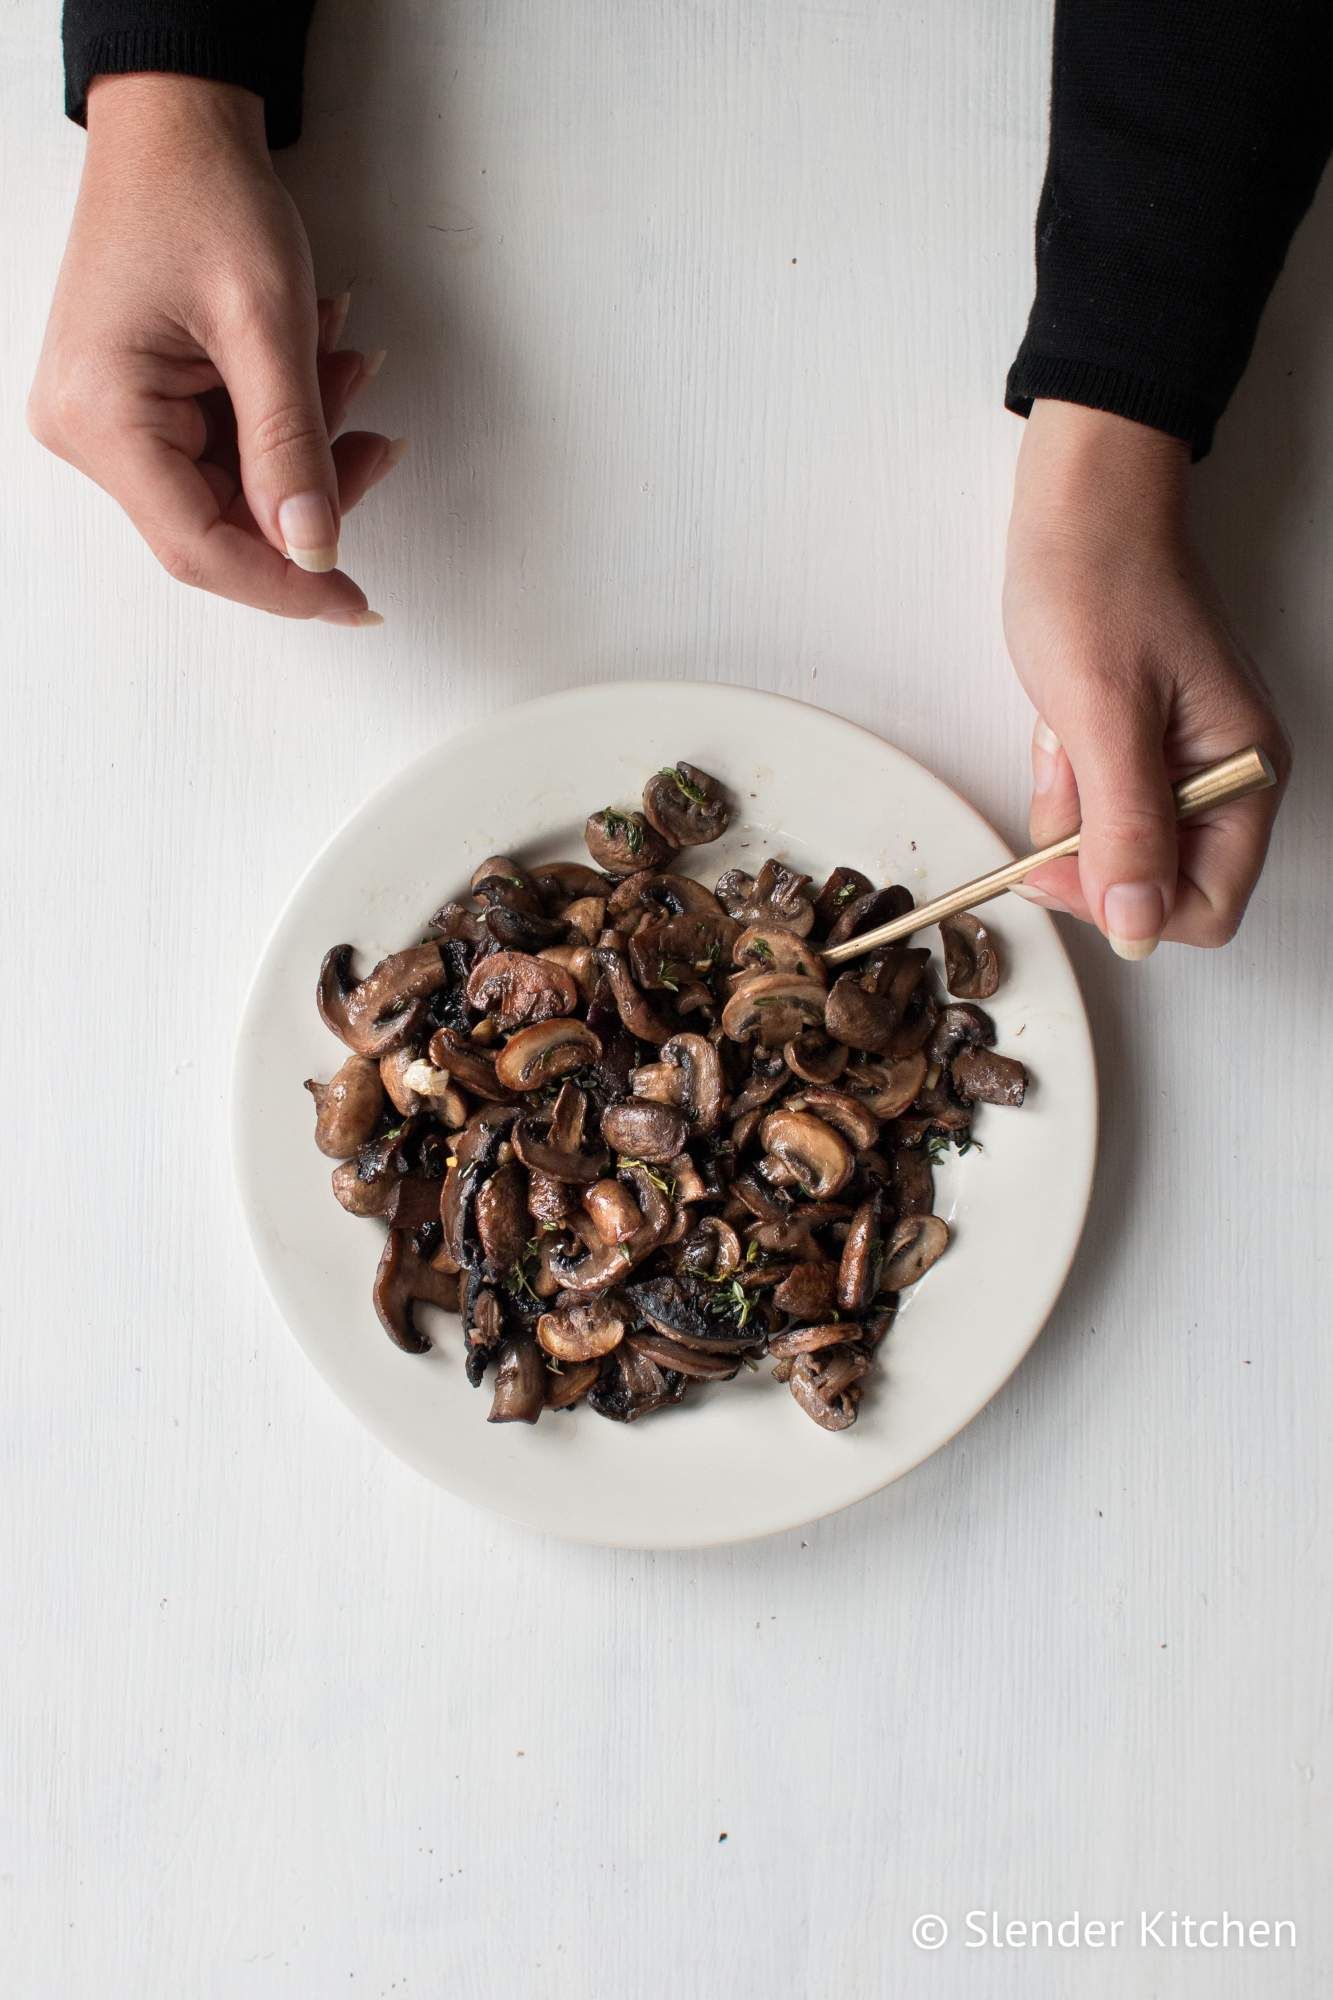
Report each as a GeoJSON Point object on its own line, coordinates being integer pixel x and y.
{"type": "Point", "coordinates": [697, 315]}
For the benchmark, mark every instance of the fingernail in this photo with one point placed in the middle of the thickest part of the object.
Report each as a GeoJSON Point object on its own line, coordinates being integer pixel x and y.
{"type": "Point", "coordinates": [373, 362]}
{"type": "Point", "coordinates": [306, 521]}
{"type": "Point", "coordinates": [1134, 913]}
{"type": "Point", "coordinates": [1045, 755]}
{"type": "Point", "coordinates": [337, 320]}
{"type": "Point", "coordinates": [395, 451]}
{"type": "Point", "coordinates": [362, 618]}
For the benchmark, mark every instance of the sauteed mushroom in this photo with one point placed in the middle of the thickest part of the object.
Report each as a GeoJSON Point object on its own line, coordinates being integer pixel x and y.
{"type": "Point", "coordinates": [641, 1138]}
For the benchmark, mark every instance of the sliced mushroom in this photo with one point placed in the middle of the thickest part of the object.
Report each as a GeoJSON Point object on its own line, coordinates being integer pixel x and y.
{"type": "Point", "coordinates": [866, 1007]}
{"type": "Point", "coordinates": [578, 961]}
{"type": "Point", "coordinates": [959, 1027]}
{"type": "Point", "coordinates": [645, 1130]}
{"type": "Point", "coordinates": [981, 1075]}
{"type": "Point", "coordinates": [864, 912]}
{"type": "Point", "coordinates": [413, 1202]}
{"type": "Point", "coordinates": [686, 806]}
{"type": "Point", "coordinates": [828, 1386]}
{"type": "Point", "coordinates": [499, 876]}
{"type": "Point", "coordinates": [517, 989]}
{"type": "Point", "coordinates": [913, 1182]}
{"type": "Point", "coordinates": [583, 1332]}
{"type": "Point", "coordinates": [776, 895]}
{"type": "Point", "coordinates": [606, 1266]}
{"type": "Point", "coordinates": [817, 1157]}
{"type": "Point", "coordinates": [384, 1010]}
{"type": "Point", "coordinates": [843, 886]}
{"type": "Point", "coordinates": [586, 917]}
{"type": "Point", "coordinates": [520, 1384]}
{"type": "Point", "coordinates": [774, 948]}
{"type": "Point", "coordinates": [814, 1058]}
{"type": "Point", "coordinates": [550, 1201]}
{"type": "Point", "coordinates": [347, 1108]}
{"type": "Point", "coordinates": [359, 1196]}
{"type": "Point", "coordinates": [774, 1007]}
{"type": "Point", "coordinates": [681, 1313]}
{"type": "Point", "coordinates": [457, 925]}
{"type": "Point", "coordinates": [971, 957]}
{"type": "Point", "coordinates": [807, 1291]}
{"type": "Point", "coordinates": [657, 892]}
{"type": "Point", "coordinates": [695, 1362]}
{"type": "Point", "coordinates": [522, 930]}
{"type": "Point", "coordinates": [465, 1061]}
{"type": "Point", "coordinates": [614, 1211]}
{"type": "Point", "coordinates": [502, 1217]}
{"type": "Point", "coordinates": [887, 1088]}
{"type": "Point", "coordinates": [704, 1094]}
{"type": "Point", "coordinates": [811, 1339]}
{"type": "Point", "coordinates": [631, 1386]}
{"type": "Point", "coordinates": [624, 844]}
{"type": "Point", "coordinates": [662, 1082]}
{"type": "Point", "coordinates": [562, 882]}
{"type": "Point", "coordinates": [850, 1115]}
{"type": "Point", "coordinates": [634, 1011]}
{"type": "Point", "coordinates": [712, 1249]}
{"type": "Point", "coordinates": [537, 1055]}
{"type": "Point", "coordinates": [567, 1386]}
{"type": "Point", "coordinates": [862, 1257]}
{"type": "Point", "coordinates": [675, 952]}
{"type": "Point", "coordinates": [916, 1243]}
{"type": "Point", "coordinates": [405, 1279]}
{"type": "Point", "coordinates": [542, 1153]}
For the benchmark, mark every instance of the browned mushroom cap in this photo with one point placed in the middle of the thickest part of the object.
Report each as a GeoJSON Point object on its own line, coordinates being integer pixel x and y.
{"type": "Point", "coordinates": [916, 1243]}
{"type": "Point", "coordinates": [404, 1279]}
{"type": "Point", "coordinates": [551, 1201]}
{"type": "Point", "coordinates": [849, 1115]}
{"type": "Point", "coordinates": [704, 1093]}
{"type": "Point", "coordinates": [807, 1292]}
{"type": "Point", "coordinates": [502, 1217]}
{"type": "Point", "coordinates": [675, 951]}
{"type": "Point", "coordinates": [686, 806]}
{"type": "Point", "coordinates": [862, 1257]}
{"type": "Point", "coordinates": [981, 1075]}
{"type": "Point", "coordinates": [971, 957]}
{"type": "Point", "coordinates": [623, 842]}
{"type": "Point", "coordinates": [866, 1007]}
{"type": "Point", "coordinates": [583, 1332]}
{"type": "Point", "coordinates": [862, 913]}
{"type": "Point", "coordinates": [402, 1097]}
{"type": "Point", "coordinates": [549, 1049]}
{"type": "Point", "coordinates": [567, 1386]}
{"type": "Point", "coordinates": [605, 1267]}
{"type": "Point", "coordinates": [774, 1007]}
{"type": "Point", "coordinates": [887, 1088]}
{"type": "Point", "coordinates": [586, 917]}
{"type": "Point", "coordinates": [358, 1196]}
{"type": "Point", "coordinates": [828, 1386]}
{"type": "Point", "coordinates": [614, 1211]}
{"type": "Point", "coordinates": [645, 1130]}
{"type": "Point", "coordinates": [498, 874]}
{"type": "Point", "coordinates": [520, 1384]}
{"type": "Point", "coordinates": [634, 1011]}
{"type": "Point", "coordinates": [959, 1027]}
{"type": "Point", "coordinates": [768, 1076]}
{"type": "Point", "coordinates": [413, 1201]}
{"type": "Point", "coordinates": [578, 961]}
{"type": "Point", "coordinates": [913, 1181]}
{"type": "Point", "coordinates": [518, 989]}
{"type": "Point", "coordinates": [466, 1061]}
{"type": "Point", "coordinates": [423, 1087]}
{"type": "Point", "coordinates": [843, 886]}
{"type": "Point", "coordinates": [347, 1108]}
{"type": "Point", "coordinates": [560, 1152]}
{"type": "Point", "coordinates": [814, 1058]}
{"type": "Point", "coordinates": [777, 895]}
{"type": "Point", "coordinates": [660, 1081]}
{"type": "Point", "coordinates": [774, 948]}
{"type": "Point", "coordinates": [818, 1158]}
{"type": "Point", "coordinates": [384, 1010]}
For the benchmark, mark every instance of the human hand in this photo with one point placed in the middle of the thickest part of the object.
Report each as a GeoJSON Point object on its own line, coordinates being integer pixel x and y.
{"type": "Point", "coordinates": [1118, 637]}
{"type": "Point", "coordinates": [188, 366]}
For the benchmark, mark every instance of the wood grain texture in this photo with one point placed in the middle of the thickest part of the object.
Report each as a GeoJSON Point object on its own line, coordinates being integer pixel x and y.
{"type": "Point", "coordinates": [697, 315]}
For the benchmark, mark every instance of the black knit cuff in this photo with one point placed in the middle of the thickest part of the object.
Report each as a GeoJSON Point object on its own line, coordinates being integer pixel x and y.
{"type": "Point", "coordinates": [1064, 380]}
{"type": "Point", "coordinates": [273, 73]}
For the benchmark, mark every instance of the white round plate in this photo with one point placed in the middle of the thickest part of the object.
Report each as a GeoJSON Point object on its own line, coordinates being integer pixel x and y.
{"type": "Point", "coordinates": [737, 1459]}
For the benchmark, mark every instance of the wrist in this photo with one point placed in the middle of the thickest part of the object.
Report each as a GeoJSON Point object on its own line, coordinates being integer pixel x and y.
{"type": "Point", "coordinates": [1095, 472]}
{"type": "Point", "coordinates": [154, 104]}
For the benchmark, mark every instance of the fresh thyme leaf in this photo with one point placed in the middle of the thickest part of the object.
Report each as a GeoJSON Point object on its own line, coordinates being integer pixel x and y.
{"type": "Point", "coordinates": [668, 1187]}
{"type": "Point", "coordinates": [763, 951]}
{"type": "Point", "coordinates": [936, 1147]}
{"type": "Point", "coordinates": [970, 1145]}
{"type": "Point", "coordinates": [683, 785]}
{"type": "Point", "coordinates": [844, 895]}
{"type": "Point", "coordinates": [664, 977]}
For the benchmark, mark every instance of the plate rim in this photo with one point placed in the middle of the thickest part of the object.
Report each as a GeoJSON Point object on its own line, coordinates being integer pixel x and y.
{"type": "Point", "coordinates": [480, 729]}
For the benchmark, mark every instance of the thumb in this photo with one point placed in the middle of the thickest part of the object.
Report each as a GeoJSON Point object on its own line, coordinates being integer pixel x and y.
{"type": "Point", "coordinates": [1127, 854]}
{"type": "Point", "coordinates": [270, 369]}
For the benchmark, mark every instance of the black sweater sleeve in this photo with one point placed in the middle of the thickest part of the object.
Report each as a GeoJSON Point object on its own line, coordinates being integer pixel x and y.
{"type": "Point", "coordinates": [1187, 139]}
{"type": "Point", "coordinates": [259, 46]}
